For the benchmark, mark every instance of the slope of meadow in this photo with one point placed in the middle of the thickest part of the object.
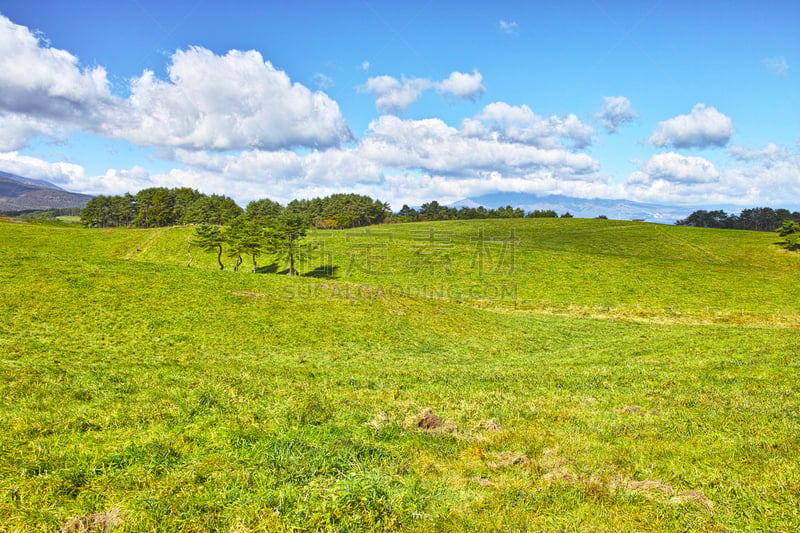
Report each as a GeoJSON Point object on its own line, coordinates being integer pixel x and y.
{"type": "Point", "coordinates": [587, 389]}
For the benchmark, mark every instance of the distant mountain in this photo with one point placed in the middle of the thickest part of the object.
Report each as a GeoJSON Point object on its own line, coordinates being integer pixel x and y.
{"type": "Point", "coordinates": [30, 181]}
{"type": "Point", "coordinates": [466, 202]}
{"type": "Point", "coordinates": [581, 207]}
{"type": "Point", "coordinates": [24, 194]}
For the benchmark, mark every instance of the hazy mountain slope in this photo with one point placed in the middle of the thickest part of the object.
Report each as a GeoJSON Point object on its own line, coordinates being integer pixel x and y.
{"type": "Point", "coordinates": [583, 208]}
{"type": "Point", "coordinates": [21, 194]}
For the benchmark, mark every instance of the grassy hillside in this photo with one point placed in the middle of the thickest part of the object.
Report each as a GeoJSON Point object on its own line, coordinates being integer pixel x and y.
{"type": "Point", "coordinates": [141, 393]}
{"type": "Point", "coordinates": [562, 265]}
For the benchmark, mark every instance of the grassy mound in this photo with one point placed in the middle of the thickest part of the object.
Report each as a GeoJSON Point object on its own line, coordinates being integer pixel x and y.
{"type": "Point", "coordinates": [600, 394]}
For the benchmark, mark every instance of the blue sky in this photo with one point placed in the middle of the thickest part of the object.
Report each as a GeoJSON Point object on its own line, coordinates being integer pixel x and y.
{"type": "Point", "coordinates": [665, 101]}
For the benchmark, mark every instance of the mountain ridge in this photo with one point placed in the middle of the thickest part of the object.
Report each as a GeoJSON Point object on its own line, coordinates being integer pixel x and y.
{"type": "Point", "coordinates": [19, 194]}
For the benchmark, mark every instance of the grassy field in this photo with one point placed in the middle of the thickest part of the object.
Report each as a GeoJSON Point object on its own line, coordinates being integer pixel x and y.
{"type": "Point", "coordinates": [620, 377]}
{"type": "Point", "coordinates": [71, 219]}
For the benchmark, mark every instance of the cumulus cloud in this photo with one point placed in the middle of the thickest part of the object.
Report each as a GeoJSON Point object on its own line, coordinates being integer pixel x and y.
{"type": "Point", "coordinates": [334, 166]}
{"type": "Point", "coordinates": [394, 96]}
{"type": "Point", "coordinates": [679, 168]}
{"type": "Point", "coordinates": [770, 152]}
{"type": "Point", "coordinates": [777, 65]}
{"type": "Point", "coordinates": [17, 130]}
{"type": "Point", "coordinates": [231, 102]}
{"type": "Point", "coordinates": [432, 146]}
{"type": "Point", "coordinates": [466, 86]}
{"type": "Point", "coordinates": [770, 178]}
{"type": "Point", "coordinates": [66, 175]}
{"type": "Point", "coordinates": [615, 112]}
{"type": "Point", "coordinates": [508, 27]}
{"type": "Point", "coordinates": [235, 101]}
{"type": "Point", "coordinates": [703, 127]}
{"type": "Point", "coordinates": [674, 178]}
{"type": "Point", "coordinates": [756, 177]}
{"type": "Point", "coordinates": [43, 90]}
{"type": "Point", "coordinates": [520, 124]}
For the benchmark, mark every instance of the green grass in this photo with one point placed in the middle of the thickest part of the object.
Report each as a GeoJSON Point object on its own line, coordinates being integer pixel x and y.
{"type": "Point", "coordinates": [71, 219]}
{"type": "Point", "coordinates": [159, 397]}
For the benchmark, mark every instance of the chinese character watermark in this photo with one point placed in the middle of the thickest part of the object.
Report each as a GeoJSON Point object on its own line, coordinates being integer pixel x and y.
{"type": "Point", "coordinates": [506, 255]}
{"type": "Point", "coordinates": [431, 251]}
{"type": "Point", "coordinates": [369, 251]}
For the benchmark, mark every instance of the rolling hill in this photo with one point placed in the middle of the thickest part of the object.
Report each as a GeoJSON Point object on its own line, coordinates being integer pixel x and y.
{"type": "Point", "coordinates": [644, 377]}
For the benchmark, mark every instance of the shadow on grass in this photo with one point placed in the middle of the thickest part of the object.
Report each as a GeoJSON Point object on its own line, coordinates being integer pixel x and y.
{"type": "Point", "coordinates": [324, 272]}
{"type": "Point", "coordinates": [268, 269]}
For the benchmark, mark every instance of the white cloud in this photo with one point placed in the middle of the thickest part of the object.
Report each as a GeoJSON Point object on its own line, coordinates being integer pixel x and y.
{"type": "Point", "coordinates": [322, 81]}
{"type": "Point", "coordinates": [703, 127]}
{"type": "Point", "coordinates": [397, 160]}
{"type": "Point", "coordinates": [770, 152]}
{"type": "Point", "coordinates": [509, 28]}
{"type": "Point", "coordinates": [66, 175]}
{"type": "Point", "coordinates": [432, 146]}
{"type": "Point", "coordinates": [520, 124]}
{"type": "Point", "coordinates": [17, 130]}
{"type": "Point", "coordinates": [334, 166]}
{"type": "Point", "coordinates": [394, 96]}
{"type": "Point", "coordinates": [761, 177]}
{"type": "Point", "coordinates": [679, 168]}
{"type": "Point", "coordinates": [615, 112]}
{"type": "Point", "coordinates": [43, 90]}
{"type": "Point", "coordinates": [235, 101]}
{"type": "Point", "coordinates": [777, 65]}
{"type": "Point", "coordinates": [462, 85]}
{"type": "Point", "coordinates": [365, 66]}
{"type": "Point", "coordinates": [769, 176]}
{"type": "Point", "coordinates": [231, 102]}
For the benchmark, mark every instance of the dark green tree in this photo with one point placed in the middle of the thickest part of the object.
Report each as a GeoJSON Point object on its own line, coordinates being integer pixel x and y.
{"type": "Point", "coordinates": [790, 231]}
{"type": "Point", "coordinates": [244, 237]}
{"type": "Point", "coordinates": [263, 210]}
{"type": "Point", "coordinates": [543, 213]}
{"type": "Point", "coordinates": [94, 214]}
{"type": "Point", "coordinates": [284, 238]}
{"type": "Point", "coordinates": [210, 238]}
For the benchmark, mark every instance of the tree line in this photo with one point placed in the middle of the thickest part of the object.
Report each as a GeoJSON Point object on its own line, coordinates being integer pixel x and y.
{"type": "Point", "coordinates": [44, 214]}
{"type": "Point", "coordinates": [160, 206]}
{"type": "Point", "coordinates": [782, 221]}
{"type": "Point", "coordinates": [433, 211]}
{"type": "Point", "coordinates": [755, 219]}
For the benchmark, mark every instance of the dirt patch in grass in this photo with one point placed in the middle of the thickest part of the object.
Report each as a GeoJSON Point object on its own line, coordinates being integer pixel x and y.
{"type": "Point", "coordinates": [639, 410]}
{"type": "Point", "coordinates": [492, 425]}
{"type": "Point", "coordinates": [97, 522]}
{"type": "Point", "coordinates": [555, 467]}
{"type": "Point", "coordinates": [483, 482]}
{"type": "Point", "coordinates": [693, 497]}
{"type": "Point", "coordinates": [650, 489]}
{"type": "Point", "coordinates": [380, 420]}
{"type": "Point", "coordinates": [428, 420]}
{"type": "Point", "coordinates": [508, 458]}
